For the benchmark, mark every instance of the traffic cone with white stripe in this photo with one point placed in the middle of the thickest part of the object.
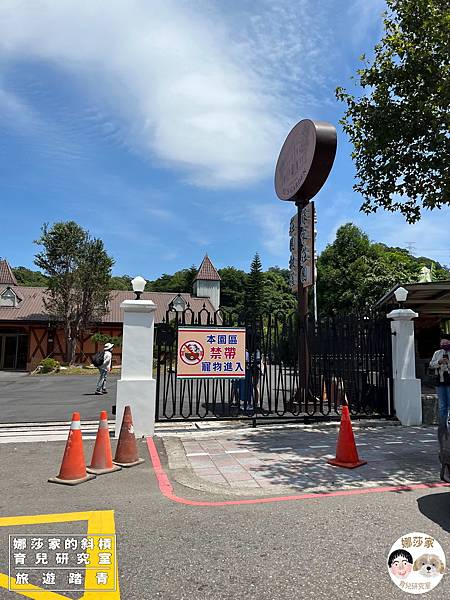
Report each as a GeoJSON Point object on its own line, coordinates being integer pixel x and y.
{"type": "Point", "coordinates": [126, 451]}
{"type": "Point", "coordinates": [73, 466]}
{"type": "Point", "coordinates": [346, 451]}
{"type": "Point", "coordinates": [101, 461]}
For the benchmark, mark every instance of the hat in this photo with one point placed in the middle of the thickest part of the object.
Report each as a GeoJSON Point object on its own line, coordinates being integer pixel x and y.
{"type": "Point", "coordinates": [108, 346]}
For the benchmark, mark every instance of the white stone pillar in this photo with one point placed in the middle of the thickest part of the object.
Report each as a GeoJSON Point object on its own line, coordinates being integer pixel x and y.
{"type": "Point", "coordinates": [136, 386]}
{"type": "Point", "coordinates": [407, 389]}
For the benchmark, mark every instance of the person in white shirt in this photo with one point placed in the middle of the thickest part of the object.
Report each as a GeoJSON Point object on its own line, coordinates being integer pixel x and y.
{"type": "Point", "coordinates": [441, 363]}
{"type": "Point", "coordinates": [104, 369]}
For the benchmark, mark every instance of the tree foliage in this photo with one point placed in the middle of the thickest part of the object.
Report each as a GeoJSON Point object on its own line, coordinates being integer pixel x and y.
{"type": "Point", "coordinates": [255, 297]}
{"type": "Point", "coordinates": [120, 283]}
{"type": "Point", "coordinates": [78, 271]}
{"type": "Point", "coordinates": [279, 296]}
{"type": "Point", "coordinates": [232, 288]}
{"type": "Point", "coordinates": [353, 273]}
{"type": "Point", "coordinates": [400, 127]}
{"type": "Point", "coordinates": [29, 278]}
{"type": "Point", "coordinates": [180, 281]}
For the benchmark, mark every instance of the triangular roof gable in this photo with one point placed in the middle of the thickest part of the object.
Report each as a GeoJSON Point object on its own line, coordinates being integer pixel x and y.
{"type": "Point", "coordinates": [207, 271]}
{"type": "Point", "coordinates": [6, 274]}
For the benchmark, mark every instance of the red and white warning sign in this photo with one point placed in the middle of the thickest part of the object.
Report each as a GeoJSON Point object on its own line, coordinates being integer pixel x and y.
{"type": "Point", "coordinates": [212, 353]}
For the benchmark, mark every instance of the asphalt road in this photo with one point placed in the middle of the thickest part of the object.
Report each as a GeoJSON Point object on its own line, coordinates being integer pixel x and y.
{"type": "Point", "coordinates": [44, 398]}
{"type": "Point", "coordinates": [325, 548]}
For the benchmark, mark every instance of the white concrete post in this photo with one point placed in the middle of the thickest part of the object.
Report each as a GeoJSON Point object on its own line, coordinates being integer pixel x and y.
{"type": "Point", "coordinates": [136, 386]}
{"type": "Point", "coordinates": [407, 389]}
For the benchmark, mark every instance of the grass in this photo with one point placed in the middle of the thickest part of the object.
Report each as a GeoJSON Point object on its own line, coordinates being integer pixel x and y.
{"type": "Point", "coordinates": [75, 371]}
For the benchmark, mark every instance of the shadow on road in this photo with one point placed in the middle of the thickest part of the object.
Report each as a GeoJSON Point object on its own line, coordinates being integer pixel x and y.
{"type": "Point", "coordinates": [436, 507]}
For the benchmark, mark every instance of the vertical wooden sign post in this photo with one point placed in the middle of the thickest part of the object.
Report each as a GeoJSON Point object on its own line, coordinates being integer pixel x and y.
{"type": "Point", "coordinates": [304, 163]}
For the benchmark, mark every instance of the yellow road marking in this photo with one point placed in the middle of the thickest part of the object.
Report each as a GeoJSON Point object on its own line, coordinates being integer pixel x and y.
{"type": "Point", "coordinates": [100, 522]}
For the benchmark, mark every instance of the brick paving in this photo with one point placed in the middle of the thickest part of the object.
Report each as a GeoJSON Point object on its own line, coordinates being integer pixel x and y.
{"type": "Point", "coordinates": [297, 458]}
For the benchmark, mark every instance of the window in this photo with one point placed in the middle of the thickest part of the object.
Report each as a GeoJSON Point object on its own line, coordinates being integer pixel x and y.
{"type": "Point", "coordinates": [178, 303]}
{"type": "Point", "coordinates": [8, 298]}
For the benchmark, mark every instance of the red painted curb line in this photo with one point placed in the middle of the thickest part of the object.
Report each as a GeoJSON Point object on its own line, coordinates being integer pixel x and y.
{"type": "Point", "coordinates": [167, 490]}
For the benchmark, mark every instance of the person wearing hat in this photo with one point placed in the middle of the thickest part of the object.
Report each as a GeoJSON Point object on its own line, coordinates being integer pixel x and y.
{"type": "Point", "coordinates": [441, 364]}
{"type": "Point", "coordinates": [104, 368]}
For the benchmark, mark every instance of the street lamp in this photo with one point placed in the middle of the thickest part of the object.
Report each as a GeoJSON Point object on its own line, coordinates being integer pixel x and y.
{"type": "Point", "coordinates": [400, 295]}
{"type": "Point", "coordinates": [138, 284]}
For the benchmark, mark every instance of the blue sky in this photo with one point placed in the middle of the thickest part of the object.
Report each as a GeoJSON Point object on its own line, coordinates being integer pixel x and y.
{"type": "Point", "coordinates": [156, 124]}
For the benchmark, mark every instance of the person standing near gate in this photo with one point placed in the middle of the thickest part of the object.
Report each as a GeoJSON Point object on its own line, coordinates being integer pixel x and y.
{"type": "Point", "coordinates": [103, 362]}
{"type": "Point", "coordinates": [441, 364]}
{"type": "Point", "coordinates": [249, 387]}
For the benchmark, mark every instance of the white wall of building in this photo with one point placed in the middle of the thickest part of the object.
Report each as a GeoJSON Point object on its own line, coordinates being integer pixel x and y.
{"type": "Point", "coordinates": [208, 289]}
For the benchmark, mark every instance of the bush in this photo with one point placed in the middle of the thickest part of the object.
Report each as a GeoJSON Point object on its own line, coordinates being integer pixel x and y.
{"type": "Point", "coordinates": [48, 365]}
{"type": "Point", "coordinates": [103, 338]}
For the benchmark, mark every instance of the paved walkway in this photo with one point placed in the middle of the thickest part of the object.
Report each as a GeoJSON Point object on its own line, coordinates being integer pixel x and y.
{"type": "Point", "coordinates": [262, 461]}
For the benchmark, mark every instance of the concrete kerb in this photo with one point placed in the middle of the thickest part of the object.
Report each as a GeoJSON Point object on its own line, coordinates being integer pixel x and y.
{"type": "Point", "coordinates": [171, 449]}
{"type": "Point", "coordinates": [171, 452]}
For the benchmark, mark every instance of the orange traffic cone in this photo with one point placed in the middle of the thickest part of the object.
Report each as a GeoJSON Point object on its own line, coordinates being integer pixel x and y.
{"type": "Point", "coordinates": [73, 467]}
{"type": "Point", "coordinates": [101, 461]}
{"type": "Point", "coordinates": [346, 452]}
{"type": "Point", "coordinates": [126, 451]}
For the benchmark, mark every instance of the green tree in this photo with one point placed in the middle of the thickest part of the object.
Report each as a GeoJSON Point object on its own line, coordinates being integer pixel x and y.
{"type": "Point", "coordinates": [120, 283]}
{"type": "Point", "coordinates": [400, 126]}
{"type": "Point", "coordinates": [255, 299]}
{"type": "Point", "coordinates": [180, 281]}
{"type": "Point", "coordinates": [353, 272]}
{"type": "Point", "coordinates": [232, 288]}
{"type": "Point", "coordinates": [279, 296]}
{"type": "Point", "coordinates": [78, 271]}
{"type": "Point", "coordinates": [29, 278]}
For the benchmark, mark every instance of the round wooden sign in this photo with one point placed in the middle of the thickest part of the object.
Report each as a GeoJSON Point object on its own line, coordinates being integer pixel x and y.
{"type": "Point", "coordinates": [305, 160]}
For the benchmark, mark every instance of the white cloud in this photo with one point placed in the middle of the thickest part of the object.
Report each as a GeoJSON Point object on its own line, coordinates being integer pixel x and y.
{"type": "Point", "coordinates": [273, 221]}
{"type": "Point", "coordinates": [184, 85]}
{"type": "Point", "coordinates": [429, 237]}
{"type": "Point", "coordinates": [366, 21]}
{"type": "Point", "coordinates": [15, 111]}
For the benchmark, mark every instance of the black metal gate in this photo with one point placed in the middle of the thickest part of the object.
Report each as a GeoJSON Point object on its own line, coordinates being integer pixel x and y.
{"type": "Point", "coordinates": [348, 355]}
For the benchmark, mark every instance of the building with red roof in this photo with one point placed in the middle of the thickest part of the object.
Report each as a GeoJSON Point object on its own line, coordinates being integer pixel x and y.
{"type": "Point", "coordinates": [28, 333]}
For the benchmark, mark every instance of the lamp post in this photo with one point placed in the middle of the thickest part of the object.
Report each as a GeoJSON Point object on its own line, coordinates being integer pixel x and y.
{"type": "Point", "coordinates": [400, 295]}
{"type": "Point", "coordinates": [138, 284]}
{"type": "Point", "coordinates": [136, 387]}
{"type": "Point", "coordinates": [407, 388]}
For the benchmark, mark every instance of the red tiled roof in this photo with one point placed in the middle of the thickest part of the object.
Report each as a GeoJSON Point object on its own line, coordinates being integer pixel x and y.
{"type": "Point", "coordinates": [6, 275]}
{"type": "Point", "coordinates": [32, 308]}
{"type": "Point", "coordinates": [207, 271]}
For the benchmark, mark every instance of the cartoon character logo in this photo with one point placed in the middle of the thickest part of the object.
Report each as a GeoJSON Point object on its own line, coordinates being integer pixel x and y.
{"type": "Point", "coordinates": [400, 563]}
{"type": "Point", "coordinates": [416, 563]}
{"type": "Point", "coordinates": [429, 565]}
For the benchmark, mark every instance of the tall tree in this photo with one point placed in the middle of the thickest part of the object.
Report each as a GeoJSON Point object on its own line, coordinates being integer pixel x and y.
{"type": "Point", "coordinates": [279, 296]}
{"type": "Point", "coordinates": [78, 270]}
{"type": "Point", "coordinates": [400, 127]}
{"type": "Point", "coordinates": [255, 298]}
{"type": "Point", "coordinates": [353, 273]}
{"type": "Point", "coordinates": [232, 288]}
